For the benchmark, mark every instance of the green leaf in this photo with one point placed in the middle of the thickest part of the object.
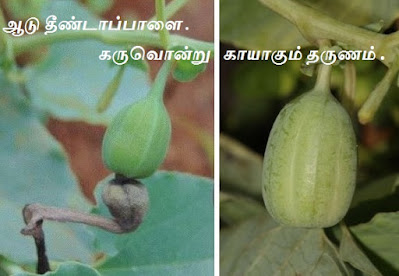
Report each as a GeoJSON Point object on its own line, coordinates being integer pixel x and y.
{"type": "Point", "coordinates": [176, 237]}
{"type": "Point", "coordinates": [34, 169]}
{"type": "Point", "coordinates": [380, 195]}
{"type": "Point", "coordinates": [8, 267]}
{"type": "Point", "coordinates": [235, 208]}
{"type": "Point", "coordinates": [68, 269]}
{"type": "Point", "coordinates": [381, 237]}
{"type": "Point", "coordinates": [376, 190]}
{"type": "Point", "coordinates": [351, 253]}
{"type": "Point", "coordinates": [70, 81]}
{"type": "Point", "coordinates": [240, 168]}
{"type": "Point", "coordinates": [251, 25]}
{"type": "Point", "coordinates": [261, 247]}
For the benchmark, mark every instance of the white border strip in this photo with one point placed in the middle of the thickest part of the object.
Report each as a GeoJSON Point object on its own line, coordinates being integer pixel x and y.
{"type": "Point", "coordinates": [216, 137]}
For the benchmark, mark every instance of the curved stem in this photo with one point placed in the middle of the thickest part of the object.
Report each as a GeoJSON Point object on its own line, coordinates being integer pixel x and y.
{"type": "Point", "coordinates": [35, 213]}
{"type": "Point", "coordinates": [128, 214]}
{"type": "Point", "coordinates": [42, 261]}
{"type": "Point", "coordinates": [144, 38]}
{"type": "Point", "coordinates": [373, 102]}
{"type": "Point", "coordinates": [330, 28]}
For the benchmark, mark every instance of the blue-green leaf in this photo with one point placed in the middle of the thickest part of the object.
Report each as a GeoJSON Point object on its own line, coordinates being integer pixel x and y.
{"type": "Point", "coordinates": [70, 81]}
{"type": "Point", "coordinates": [176, 237]}
{"type": "Point", "coordinates": [34, 169]}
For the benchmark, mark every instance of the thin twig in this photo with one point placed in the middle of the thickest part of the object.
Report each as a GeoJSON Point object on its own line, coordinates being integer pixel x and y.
{"type": "Point", "coordinates": [161, 16]}
{"type": "Point", "coordinates": [171, 9]}
{"type": "Point", "coordinates": [42, 261]}
{"type": "Point", "coordinates": [126, 198]}
{"type": "Point", "coordinates": [333, 29]}
{"type": "Point", "coordinates": [373, 102]}
{"type": "Point", "coordinates": [33, 213]}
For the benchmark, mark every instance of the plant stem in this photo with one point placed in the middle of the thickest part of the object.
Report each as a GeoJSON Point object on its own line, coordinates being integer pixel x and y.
{"type": "Point", "coordinates": [323, 78]}
{"type": "Point", "coordinates": [110, 91]}
{"type": "Point", "coordinates": [172, 8]}
{"type": "Point", "coordinates": [34, 213]}
{"type": "Point", "coordinates": [42, 261]}
{"type": "Point", "coordinates": [160, 13]}
{"type": "Point", "coordinates": [127, 215]}
{"type": "Point", "coordinates": [349, 91]}
{"type": "Point", "coordinates": [322, 26]}
{"type": "Point", "coordinates": [143, 38]}
{"type": "Point", "coordinates": [373, 102]}
{"type": "Point", "coordinates": [36, 231]}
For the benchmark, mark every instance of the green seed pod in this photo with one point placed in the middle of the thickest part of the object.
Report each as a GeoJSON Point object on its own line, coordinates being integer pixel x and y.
{"type": "Point", "coordinates": [309, 170]}
{"type": "Point", "coordinates": [136, 142]}
{"type": "Point", "coordinates": [127, 202]}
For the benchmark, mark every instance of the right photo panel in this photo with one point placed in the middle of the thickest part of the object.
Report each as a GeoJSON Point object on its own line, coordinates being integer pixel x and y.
{"type": "Point", "coordinates": [309, 143]}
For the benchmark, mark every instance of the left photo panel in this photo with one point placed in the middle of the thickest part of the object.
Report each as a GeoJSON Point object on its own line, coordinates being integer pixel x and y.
{"type": "Point", "coordinates": [107, 137]}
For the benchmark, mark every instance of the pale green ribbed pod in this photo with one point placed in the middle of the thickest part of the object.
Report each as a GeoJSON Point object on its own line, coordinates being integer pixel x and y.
{"type": "Point", "coordinates": [309, 170]}
{"type": "Point", "coordinates": [136, 142]}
